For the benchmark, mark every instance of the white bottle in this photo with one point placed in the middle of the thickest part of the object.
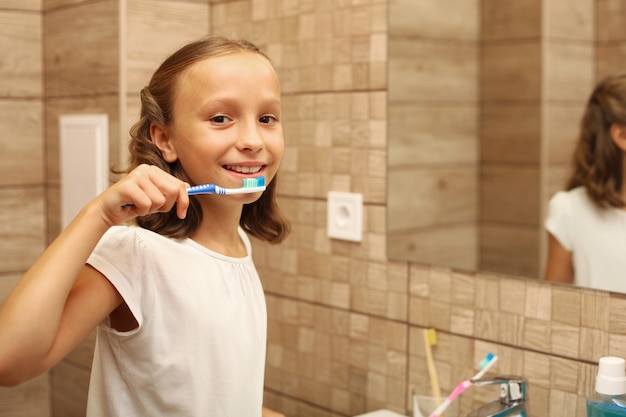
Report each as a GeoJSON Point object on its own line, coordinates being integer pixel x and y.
{"type": "Point", "coordinates": [610, 391]}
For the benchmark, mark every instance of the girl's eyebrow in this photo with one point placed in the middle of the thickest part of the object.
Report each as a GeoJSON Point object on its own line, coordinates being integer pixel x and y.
{"type": "Point", "coordinates": [230, 101]}
{"type": "Point", "coordinates": [213, 104]}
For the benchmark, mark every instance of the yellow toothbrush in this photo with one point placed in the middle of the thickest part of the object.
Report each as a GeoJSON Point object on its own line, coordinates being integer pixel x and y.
{"type": "Point", "coordinates": [430, 340]}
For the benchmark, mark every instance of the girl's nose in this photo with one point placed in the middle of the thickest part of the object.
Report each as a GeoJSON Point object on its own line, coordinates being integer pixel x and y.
{"type": "Point", "coordinates": [250, 138]}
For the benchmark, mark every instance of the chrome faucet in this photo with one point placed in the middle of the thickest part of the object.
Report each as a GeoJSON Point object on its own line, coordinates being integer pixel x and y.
{"type": "Point", "coordinates": [513, 401]}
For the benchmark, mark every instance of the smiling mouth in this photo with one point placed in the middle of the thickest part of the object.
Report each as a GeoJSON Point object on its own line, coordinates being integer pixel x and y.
{"type": "Point", "coordinates": [244, 169]}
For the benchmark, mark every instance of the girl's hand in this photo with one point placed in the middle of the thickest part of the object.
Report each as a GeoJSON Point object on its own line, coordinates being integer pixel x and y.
{"type": "Point", "coordinates": [145, 190]}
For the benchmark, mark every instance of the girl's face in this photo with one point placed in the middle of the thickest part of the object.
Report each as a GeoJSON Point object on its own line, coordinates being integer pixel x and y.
{"type": "Point", "coordinates": [226, 122]}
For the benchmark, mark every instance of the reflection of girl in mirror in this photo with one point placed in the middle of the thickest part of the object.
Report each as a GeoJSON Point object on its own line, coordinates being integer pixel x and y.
{"type": "Point", "coordinates": [176, 299]}
{"type": "Point", "coordinates": [587, 223]}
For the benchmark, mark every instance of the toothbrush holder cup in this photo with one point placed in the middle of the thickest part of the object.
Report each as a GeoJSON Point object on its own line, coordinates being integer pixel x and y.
{"type": "Point", "coordinates": [426, 403]}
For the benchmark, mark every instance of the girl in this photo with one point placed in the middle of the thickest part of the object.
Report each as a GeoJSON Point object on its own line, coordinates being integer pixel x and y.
{"type": "Point", "coordinates": [587, 223]}
{"type": "Point", "coordinates": [176, 299]}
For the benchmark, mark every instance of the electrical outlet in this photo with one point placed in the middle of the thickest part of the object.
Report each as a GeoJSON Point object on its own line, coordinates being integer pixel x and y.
{"type": "Point", "coordinates": [345, 216]}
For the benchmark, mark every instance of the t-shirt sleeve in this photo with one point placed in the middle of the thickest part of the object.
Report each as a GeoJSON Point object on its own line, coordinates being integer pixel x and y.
{"type": "Point", "coordinates": [118, 256]}
{"type": "Point", "coordinates": [558, 222]}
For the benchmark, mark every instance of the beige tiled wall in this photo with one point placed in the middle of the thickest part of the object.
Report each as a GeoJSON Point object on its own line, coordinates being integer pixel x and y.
{"type": "Point", "coordinates": [22, 171]}
{"type": "Point", "coordinates": [611, 38]}
{"type": "Point", "coordinates": [511, 93]}
{"type": "Point", "coordinates": [432, 166]}
{"type": "Point", "coordinates": [345, 329]}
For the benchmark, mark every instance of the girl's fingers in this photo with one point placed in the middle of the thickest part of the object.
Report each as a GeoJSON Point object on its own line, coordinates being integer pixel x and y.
{"type": "Point", "coordinates": [146, 190]}
{"type": "Point", "coordinates": [182, 201]}
{"type": "Point", "coordinates": [153, 196]}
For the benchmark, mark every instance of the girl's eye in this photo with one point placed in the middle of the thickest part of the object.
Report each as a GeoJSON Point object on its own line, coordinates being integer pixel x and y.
{"type": "Point", "coordinates": [267, 119]}
{"type": "Point", "coordinates": [219, 119]}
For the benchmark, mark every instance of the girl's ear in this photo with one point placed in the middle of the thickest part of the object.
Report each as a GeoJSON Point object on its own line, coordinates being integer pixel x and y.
{"type": "Point", "coordinates": [162, 140]}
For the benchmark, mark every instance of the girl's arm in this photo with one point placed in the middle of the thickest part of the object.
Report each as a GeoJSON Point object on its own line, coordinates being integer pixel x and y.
{"type": "Point", "coordinates": [271, 413]}
{"type": "Point", "coordinates": [59, 300]}
{"type": "Point", "coordinates": [559, 264]}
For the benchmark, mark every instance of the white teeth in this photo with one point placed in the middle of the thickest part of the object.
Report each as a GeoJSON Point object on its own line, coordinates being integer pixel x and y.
{"type": "Point", "coordinates": [243, 169]}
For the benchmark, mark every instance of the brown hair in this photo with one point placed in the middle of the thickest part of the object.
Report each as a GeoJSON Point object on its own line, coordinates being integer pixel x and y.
{"type": "Point", "coordinates": [597, 159]}
{"type": "Point", "coordinates": [263, 218]}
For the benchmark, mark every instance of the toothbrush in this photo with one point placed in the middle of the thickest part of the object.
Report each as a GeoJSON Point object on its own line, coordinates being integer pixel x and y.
{"type": "Point", "coordinates": [250, 185]}
{"type": "Point", "coordinates": [430, 340]}
{"type": "Point", "coordinates": [484, 366]}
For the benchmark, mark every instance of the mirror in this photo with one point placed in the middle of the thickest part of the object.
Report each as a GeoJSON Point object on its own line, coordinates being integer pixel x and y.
{"type": "Point", "coordinates": [483, 114]}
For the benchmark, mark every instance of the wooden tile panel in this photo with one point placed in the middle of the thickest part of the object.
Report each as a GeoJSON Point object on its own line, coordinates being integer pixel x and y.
{"type": "Point", "coordinates": [151, 37]}
{"type": "Point", "coordinates": [22, 227]}
{"type": "Point", "coordinates": [86, 64]}
{"type": "Point", "coordinates": [21, 142]}
{"type": "Point", "coordinates": [20, 41]}
{"type": "Point", "coordinates": [517, 19]}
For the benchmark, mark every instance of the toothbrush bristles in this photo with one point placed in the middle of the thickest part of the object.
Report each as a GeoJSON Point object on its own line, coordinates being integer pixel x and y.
{"type": "Point", "coordinates": [485, 365]}
{"type": "Point", "coordinates": [486, 360]}
{"type": "Point", "coordinates": [253, 182]}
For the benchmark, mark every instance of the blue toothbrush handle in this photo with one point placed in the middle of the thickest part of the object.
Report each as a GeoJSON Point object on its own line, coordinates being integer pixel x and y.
{"type": "Point", "coordinates": [198, 189]}
{"type": "Point", "coordinates": [257, 185]}
{"type": "Point", "coordinates": [205, 189]}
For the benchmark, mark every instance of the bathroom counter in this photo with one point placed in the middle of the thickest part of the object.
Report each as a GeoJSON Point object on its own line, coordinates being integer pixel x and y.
{"type": "Point", "coordinates": [381, 413]}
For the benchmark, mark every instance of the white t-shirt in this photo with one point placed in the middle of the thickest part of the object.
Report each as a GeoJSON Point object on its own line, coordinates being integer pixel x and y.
{"type": "Point", "coordinates": [595, 236]}
{"type": "Point", "coordinates": [199, 350]}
